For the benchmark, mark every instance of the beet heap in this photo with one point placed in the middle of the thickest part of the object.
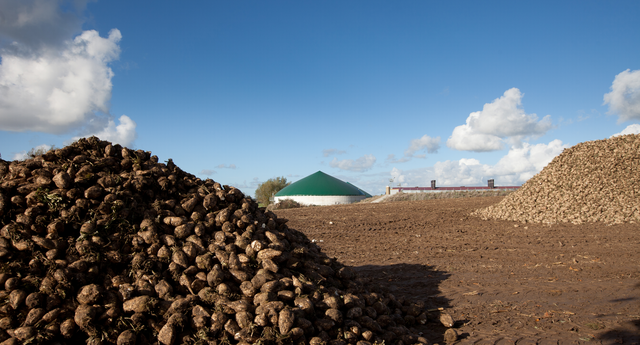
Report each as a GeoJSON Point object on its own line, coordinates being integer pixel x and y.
{"type": "Point", "coordinates": [594, 181]}
{"type": "Point", "coordinates": [103, 244]}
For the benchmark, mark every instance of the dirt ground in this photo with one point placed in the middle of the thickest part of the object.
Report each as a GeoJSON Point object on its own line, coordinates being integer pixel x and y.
{"type": "Point", "coordinates": [503, 282]}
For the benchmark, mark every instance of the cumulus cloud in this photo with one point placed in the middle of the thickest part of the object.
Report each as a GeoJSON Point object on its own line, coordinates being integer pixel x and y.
{"type": "Point", "coordinates": [24, 154]}
{"type": "Point", "coordinates": [431, 145]}
{"type": "Point", "coordinates": [458, 173]}
{"type": "Point", "coordinates": [500, 121]}
{"type": "Point", "coordinates": [331, 152]}
{"type": "Point", "coordinates": [397, 178]}
{"type": "Point", "coordinates": [426, 143]}
{"type": "Point", "coordinates": [465, 138]}
{"type": "Point", "coordinates": [106, 129]}
{"type": "Point", "coordinates": [58, 91]}
{"type": "Point", "coordinates": [361, 164]}
{"type": "Point", "coordinates": [51, 81]}
{"type": "Point", "coordinates": [624, 98]}
{"type": "Point", "coordinates": [469, 161]}
{"type": "Point", "coordinates": [391, 159]}
{"type": "Point", "coordinates": [411, 177]}
{"type": "Point", "coordinates": [519, 165]}
{"type": "Point", "coordinates": [631, 129]}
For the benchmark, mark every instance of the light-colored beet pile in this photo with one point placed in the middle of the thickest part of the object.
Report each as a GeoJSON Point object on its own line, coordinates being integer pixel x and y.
{"type": "Point", "coordinates": [594, 181]}
{"type": "Point", "coordinates": [103, 244]}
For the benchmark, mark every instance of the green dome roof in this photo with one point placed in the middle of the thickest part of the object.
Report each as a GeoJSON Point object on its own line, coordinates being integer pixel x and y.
{"type": "Point", "coordinates": [363, 192]}
{"type": "Point", "coordinates": [320, 184]}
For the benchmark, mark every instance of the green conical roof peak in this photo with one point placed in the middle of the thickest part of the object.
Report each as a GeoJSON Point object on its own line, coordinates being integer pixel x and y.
{"type": "Point", "coordinates": [319, 183]}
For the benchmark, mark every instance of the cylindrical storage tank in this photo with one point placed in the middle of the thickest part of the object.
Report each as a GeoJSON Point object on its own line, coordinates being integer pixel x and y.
{"type": "Point", "coordinates": [321, 189]}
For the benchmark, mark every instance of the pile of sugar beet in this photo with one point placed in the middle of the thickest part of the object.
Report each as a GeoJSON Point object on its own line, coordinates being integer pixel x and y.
{"type": "Point", "coordinates": [101, 244]}
{"type": "Point", "coordinates": [594, 181]}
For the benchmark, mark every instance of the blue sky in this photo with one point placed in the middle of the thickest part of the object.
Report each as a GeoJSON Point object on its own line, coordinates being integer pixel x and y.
{"type": "Point", "coordinates": [366, 91]}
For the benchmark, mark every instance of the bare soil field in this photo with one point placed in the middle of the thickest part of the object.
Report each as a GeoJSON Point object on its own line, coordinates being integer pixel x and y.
{"type": "Point", "coordinates": [503, 282]}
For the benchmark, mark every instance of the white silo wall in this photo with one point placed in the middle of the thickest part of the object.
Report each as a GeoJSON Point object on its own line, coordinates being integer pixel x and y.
{"type": "Point", "coordinates": [322, 200]}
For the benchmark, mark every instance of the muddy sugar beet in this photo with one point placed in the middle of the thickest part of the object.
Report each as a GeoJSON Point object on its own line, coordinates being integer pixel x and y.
{"type": "Point", "coordinates": [101, 244]}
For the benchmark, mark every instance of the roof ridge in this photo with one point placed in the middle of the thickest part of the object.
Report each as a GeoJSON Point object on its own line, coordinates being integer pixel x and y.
{"type": "Point", "coordinates": [320, 183]}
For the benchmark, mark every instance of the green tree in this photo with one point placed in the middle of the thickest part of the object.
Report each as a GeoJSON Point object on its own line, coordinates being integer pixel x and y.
{"type": "Point", "coordinates": [268, 189]}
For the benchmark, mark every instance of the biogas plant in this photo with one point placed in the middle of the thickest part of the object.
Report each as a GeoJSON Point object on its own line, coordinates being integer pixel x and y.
{"type": "Point", "coordinates": [321, 189]}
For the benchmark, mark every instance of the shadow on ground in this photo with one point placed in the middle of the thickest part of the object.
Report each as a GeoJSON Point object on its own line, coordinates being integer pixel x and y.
{"type": "Point", "coordinates": [413, 283]}
{"type": "Point", "coordinates": [628, 332]}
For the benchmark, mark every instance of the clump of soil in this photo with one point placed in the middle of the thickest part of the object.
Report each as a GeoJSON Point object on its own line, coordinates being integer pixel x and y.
{"type": "Point", "coordinates": [595, 181]}
{"type": "Point", "coordinates": [102, 244]}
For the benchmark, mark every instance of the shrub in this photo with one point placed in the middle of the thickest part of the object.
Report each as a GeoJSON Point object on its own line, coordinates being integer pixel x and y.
{"type": "Point", "coordinates": [38, 151]}
{"type": "Point", "coordinates": [268, 189]}
{"type": "Point", "coordinates": [284, 204]}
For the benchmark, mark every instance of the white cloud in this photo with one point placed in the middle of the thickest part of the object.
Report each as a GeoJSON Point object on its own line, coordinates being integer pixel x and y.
{"type": "Point", "coordinates": [631, 129]}
{"type": "Point", "coordinates": [397, 177]}
{"type": "Point", "coordinates": [412, 178]}
{"type": "Point", "coordinates": [330, 152]}
{"type": "Point", "coordinates": [123, 134]}
{"type": "Point", "coordinates": [224, 166]}
{"type": "Point", "coordinates": [363, 163]}
{"type": "Point", "coordinates": [469, 161]}
{"type": "Point", "coordinates": [500, 121]}
{"type": "Point", "coordinates": [58, 91]}
{"type": "Point", "coordinates": [391, 158]}
{"type": "Point", "coordinates": [519, 165]}
{"type": "Point", "coordinates": [54, 77]}
{"type": "Point", "coordinates": [458, 173]}
{"type": "Point", "coordinates": [464, 138]}
{"type": "Point", "coordinates": [425, 143]}
{"type": "Point", "coordinates": [24, 154]}
{"type": "Point", "coordinates": [624, 98]}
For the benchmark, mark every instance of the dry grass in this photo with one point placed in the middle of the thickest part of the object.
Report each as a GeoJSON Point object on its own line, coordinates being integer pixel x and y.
{"type": "Point", "coordinates": [371, 199]}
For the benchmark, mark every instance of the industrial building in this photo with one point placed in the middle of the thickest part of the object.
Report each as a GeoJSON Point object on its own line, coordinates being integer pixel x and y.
{"type": "Point", "coordinates": [433, 189]}
{"type": "Point", "coordinates": [321, 189]}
